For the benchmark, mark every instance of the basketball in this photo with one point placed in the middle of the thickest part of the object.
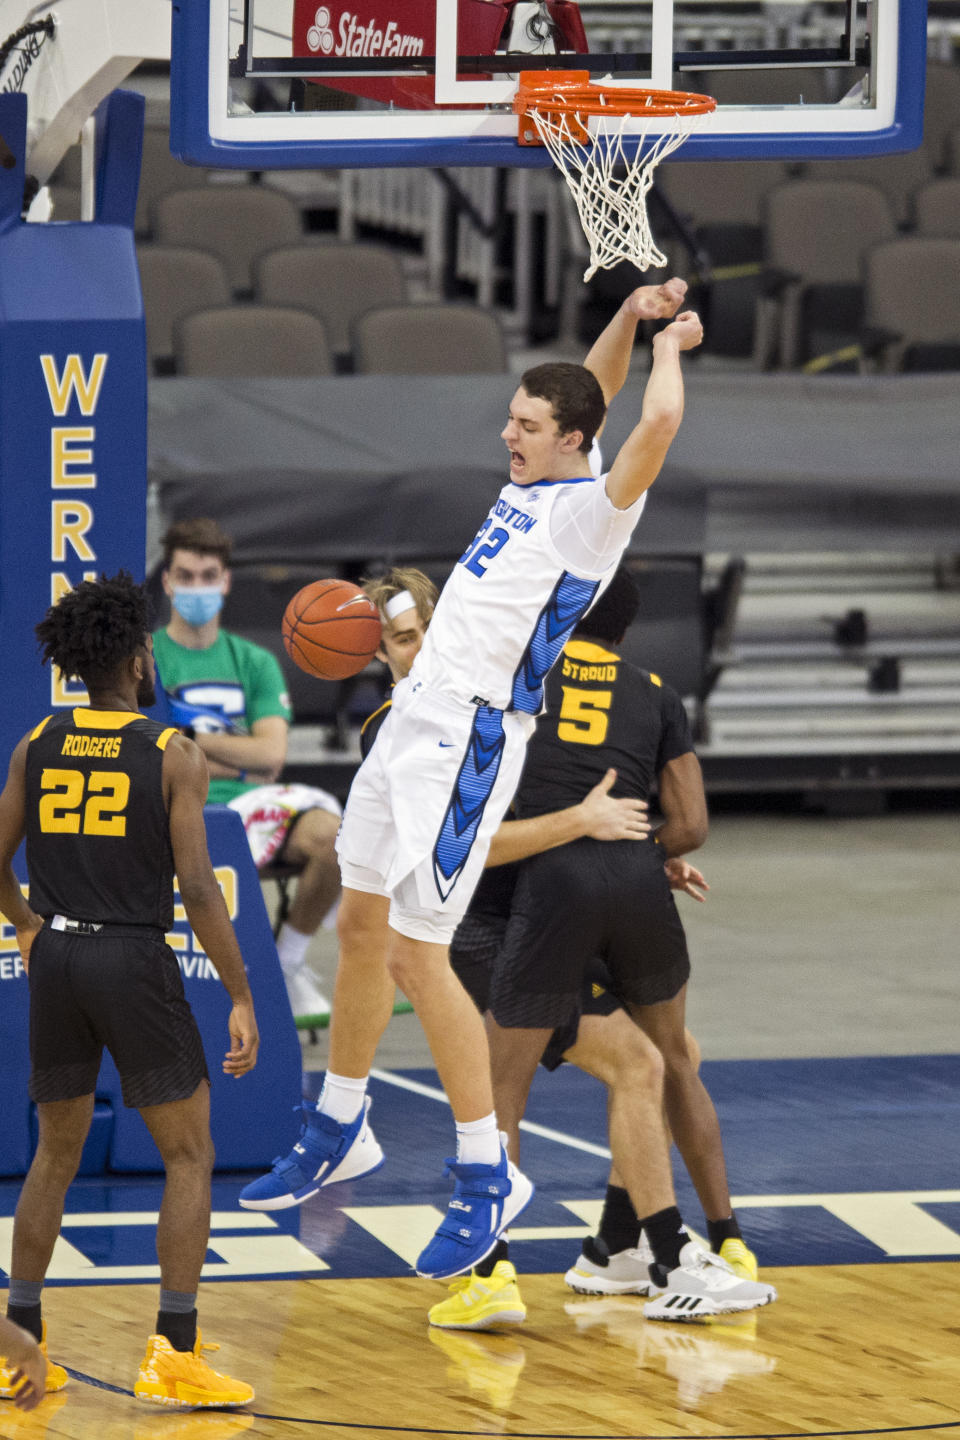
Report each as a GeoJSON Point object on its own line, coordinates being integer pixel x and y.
{"type": "Point", "coordinates": [331, 629]}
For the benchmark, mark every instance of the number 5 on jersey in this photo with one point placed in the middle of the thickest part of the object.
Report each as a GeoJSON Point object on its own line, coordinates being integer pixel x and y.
{"type": "Point", "coordinates": [583, 716]}
{"type": "Point", "coordinates": [107, 793]}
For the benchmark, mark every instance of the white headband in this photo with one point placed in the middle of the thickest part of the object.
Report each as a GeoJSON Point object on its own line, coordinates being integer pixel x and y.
{"type": "Point", "coordinates": [398, 604]}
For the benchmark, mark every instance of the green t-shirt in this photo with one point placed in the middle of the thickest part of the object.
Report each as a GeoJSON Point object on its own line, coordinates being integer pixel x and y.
{"type": "Point", "coordinates": [223, 688]}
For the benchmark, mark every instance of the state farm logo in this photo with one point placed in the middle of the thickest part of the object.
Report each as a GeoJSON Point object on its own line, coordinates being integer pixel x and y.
{"type": "Point", "coordinates": [352, 36]}
{"type": "Point", "coordinates": [320, 35]}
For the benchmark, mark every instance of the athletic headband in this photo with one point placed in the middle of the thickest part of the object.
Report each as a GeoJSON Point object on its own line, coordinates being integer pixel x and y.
{"type": "Point", "coordinates": [398, 603]}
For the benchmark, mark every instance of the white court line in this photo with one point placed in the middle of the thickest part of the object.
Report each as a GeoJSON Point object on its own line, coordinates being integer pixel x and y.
{"type": "Point", "coordinates": [431, 1092]}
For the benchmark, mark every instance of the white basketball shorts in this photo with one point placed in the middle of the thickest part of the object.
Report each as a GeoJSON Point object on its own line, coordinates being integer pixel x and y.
{"type": "Point", "coordinates": [425, 804]}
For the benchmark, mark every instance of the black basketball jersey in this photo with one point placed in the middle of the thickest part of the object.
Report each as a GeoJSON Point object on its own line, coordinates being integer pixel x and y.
{"type": "Point", "coordinates": [370, 728]}
{"type": "Point", "coordinates": [98, 838]}
{"type": "Point", "coordinates": [601, 712]}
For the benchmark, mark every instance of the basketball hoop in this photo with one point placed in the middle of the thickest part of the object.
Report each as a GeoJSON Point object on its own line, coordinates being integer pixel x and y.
{"type": "Point", "coordinates": [608, 183]}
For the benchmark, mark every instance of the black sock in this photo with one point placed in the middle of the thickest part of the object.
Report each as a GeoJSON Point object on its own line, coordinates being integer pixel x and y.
{"type": "Point", "coordinates": [667, 1236]}
{"type": "Point", "coordinates": [28, 1318]}
{"type": "Point", "coordinates": [619, 1226]}
{"type": "Point", "coordinates": [720, 1230]}
{"type": "Point", "coordinates": [500, 1251]}
{"type": "Point", "coordinates": [180, 1330]}
{"type": "Point", "coordinates": [595, 1249]}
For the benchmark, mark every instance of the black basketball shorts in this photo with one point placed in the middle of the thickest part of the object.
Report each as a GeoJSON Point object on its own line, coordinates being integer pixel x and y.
{"type": "Point", "coordinates": [474, 955]}
{"type": "Point", "coordinates": [589, 899]}
{"type": "Point", "coordinates": [120, 989]}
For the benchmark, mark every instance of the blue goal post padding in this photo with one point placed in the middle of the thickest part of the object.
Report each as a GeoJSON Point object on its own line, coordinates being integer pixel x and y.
{"type": "Point", "coordinates": [249, 1114]}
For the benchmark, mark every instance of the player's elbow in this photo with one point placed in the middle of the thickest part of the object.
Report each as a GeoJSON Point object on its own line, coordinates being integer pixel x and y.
{"type": "Point", "coordinates": [693, 834]}
{"type": "Point", "coordinates": [662, 418]}
{"type": "Point", "coordinates": [197, 888]}
{"type": "Point", "coordinates": [275, 758]}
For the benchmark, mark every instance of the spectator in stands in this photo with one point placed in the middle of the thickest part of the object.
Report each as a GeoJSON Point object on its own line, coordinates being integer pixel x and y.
{"type": "Point", "coordinates": [230, 696]}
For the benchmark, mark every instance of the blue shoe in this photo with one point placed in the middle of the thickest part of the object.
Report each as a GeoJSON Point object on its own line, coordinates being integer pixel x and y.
{"type": "Point", "coordinates": [486, 1199]}
{"type": "Point", "coordinates": [325, 1153]}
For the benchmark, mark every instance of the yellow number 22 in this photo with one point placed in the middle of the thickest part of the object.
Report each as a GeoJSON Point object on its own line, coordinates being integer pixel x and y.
{"type": "Point", "coordinates": [107, 794]}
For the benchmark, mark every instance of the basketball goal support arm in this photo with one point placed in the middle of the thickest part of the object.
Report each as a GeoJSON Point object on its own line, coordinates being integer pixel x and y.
{"type": "Point", "coordinates": [74, 54]}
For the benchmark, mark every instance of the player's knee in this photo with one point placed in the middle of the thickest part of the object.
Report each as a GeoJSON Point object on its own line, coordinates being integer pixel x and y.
{"type": "Point", "coordinates": [190, 1150]}
{"type": "Point", "coordinates": [315, 836]}
{"type": "Point", "coordinates": [404, 970]}
{"type": "Point", "coordinates": [58, 1162]}
{"type": "Point", "coordinates": [638, 1065]}
{"type": "Point", "coordinates": [360, 925]}
{"type": "Point", "coordinates": [677, 1056]}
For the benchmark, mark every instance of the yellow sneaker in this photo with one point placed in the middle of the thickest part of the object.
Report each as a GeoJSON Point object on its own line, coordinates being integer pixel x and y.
{"type": "Point", "coordinates": [478, 1301]}
{"type": "Point", "coordinates": [742, 1261]}
{"type": "Point", "coordinates": [183, 1378]}
{"type": "Point", "coordinates": [56, 1375]}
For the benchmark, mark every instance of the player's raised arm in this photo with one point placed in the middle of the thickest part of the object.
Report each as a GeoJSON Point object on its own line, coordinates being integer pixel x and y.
{"type": "Point", "coordinates": [185, 788]}
{"type": "Point", "coordinates": [609, 357]}
{"type": "Point", "coordinates": [641, 457]}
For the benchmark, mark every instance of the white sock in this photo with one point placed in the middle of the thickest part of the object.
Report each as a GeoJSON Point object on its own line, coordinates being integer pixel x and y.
{"type": "Point", "coordinates": [342, 1097]}
{"type": "Point", "coordinates": [291, 948]}
{"type": "Point", "coordinates": [478, 1141]}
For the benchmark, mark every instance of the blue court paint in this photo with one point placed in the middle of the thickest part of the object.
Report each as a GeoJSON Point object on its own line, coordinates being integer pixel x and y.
{"type": "Point", "coordinates": [842, 1161]}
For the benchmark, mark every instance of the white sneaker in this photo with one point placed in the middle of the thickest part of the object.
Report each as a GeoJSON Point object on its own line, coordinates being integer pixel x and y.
{"type": "Point", "coordinates": [307, 1001]}
{"type": "Point", "coordinates": [703, 1285]}
{"type": "Point", "coordinates": [624, 1273]}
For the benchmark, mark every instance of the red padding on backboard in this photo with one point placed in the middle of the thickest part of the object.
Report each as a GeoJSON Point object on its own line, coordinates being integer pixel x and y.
{"type": "Point", "coordinates": [383, 28]}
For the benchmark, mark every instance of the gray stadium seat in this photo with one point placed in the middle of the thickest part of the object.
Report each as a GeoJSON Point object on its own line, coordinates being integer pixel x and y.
{"type": "Point", "coordinates": [251, 340]}
{"type": "Point", "coordinates": [941, 108]}
{"type": "Point", "coordinates": [912, 303]}
{"type": "Point", "coordinates": [337, 282]}
{"type": "Point", "coordinates": [175, 281]}
{"type": "Point", "coordinates": [722, 204]}
{"type": "Point", "coordinates": [898, 176]}
{"type": "Point", "coordinates": [235, 222]}
{"type": "Point", "coordinates": [720, 192]}
{"type": "Point", "coordinates": [159, 174]}
{"type": "Point", "coordinates": [816, 234]}
{"type": "Point", "coordinates": [936, 208]}
{"type": "Point", "coordinates": [428, 340]}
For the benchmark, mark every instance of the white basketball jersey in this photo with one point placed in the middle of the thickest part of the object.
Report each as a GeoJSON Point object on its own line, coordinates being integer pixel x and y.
{"type": "Point", "coordinates": [539, 560]}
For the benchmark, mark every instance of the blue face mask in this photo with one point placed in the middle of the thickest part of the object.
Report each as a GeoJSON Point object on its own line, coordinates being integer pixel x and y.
{"type": "Point", "coordinates": [199, 604]}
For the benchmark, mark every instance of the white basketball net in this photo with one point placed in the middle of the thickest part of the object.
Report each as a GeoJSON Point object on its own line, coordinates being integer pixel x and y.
{"type": "Point", "coordinates": [612, 206]}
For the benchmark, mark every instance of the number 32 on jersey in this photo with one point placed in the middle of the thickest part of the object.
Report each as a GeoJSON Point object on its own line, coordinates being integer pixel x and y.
{"type": "Point", "coordinates": [483, 547]}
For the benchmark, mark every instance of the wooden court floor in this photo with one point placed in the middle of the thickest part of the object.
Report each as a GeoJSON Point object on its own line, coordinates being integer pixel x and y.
{"type": "Point", "coordinates": [847, 1350]}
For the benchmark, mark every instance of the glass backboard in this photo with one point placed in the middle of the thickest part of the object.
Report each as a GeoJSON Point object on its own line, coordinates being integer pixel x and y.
{"type": "Point", "coordinates": [292, 83]}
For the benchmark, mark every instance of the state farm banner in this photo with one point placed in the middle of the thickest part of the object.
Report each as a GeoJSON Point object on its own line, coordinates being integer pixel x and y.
{"type": "Point", "coordinates": [406, 29]}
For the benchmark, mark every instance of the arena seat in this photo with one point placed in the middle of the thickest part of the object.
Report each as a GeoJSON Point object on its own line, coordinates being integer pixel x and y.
{"type": "Point", "coordinates": [251, 340]}
{"type": "Point", "coordinates": [428, 340]}
{"type": "Point", "coordinates": [236, 222]}
{"type": "Point", "coordinates": [159, 174]}
{"type": "Point", "coordinates": [176, 280]}
{"type": "Point", "coordinates": [912, 303]}
{"type": "Point", "coordinates": [337, 282]}
{"type": "Point", "coordinates": [816, 234]}
{"type": "Point", "coordinates": [936, 207]}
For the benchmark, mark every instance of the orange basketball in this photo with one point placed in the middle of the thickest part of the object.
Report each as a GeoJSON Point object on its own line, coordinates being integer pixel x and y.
{"type": "Point", "coordinates": [331, 629]}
